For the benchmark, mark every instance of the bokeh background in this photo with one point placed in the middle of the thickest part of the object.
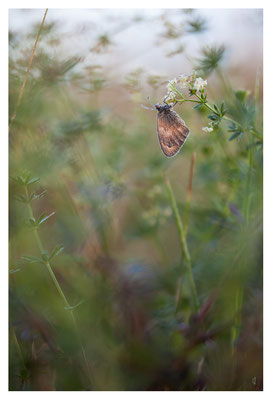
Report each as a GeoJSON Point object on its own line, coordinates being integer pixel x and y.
{"type": "Point", "coordinates": [81, 129]}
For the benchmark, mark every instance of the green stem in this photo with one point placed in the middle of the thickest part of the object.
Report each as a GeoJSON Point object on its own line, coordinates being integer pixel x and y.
{"type": "Point", "coordinates": [18, 348]}
{"type": "Point", "coordinates": [41, 248]}
{"type": "Point", "coordinates": [255, 134]}
{"type": "Point", "coordinates": [231, 120]}
{"type": "Point", "coordinates": [207, 105]}
{"type": "Point", "coordinates": [183, 242]}
{"type": "Point", "coordinates": [191, 101]}
{"type": "Point", "coordinates": [183, 98]}
{"type": "Point", "coordinates": [189, 191]}
{"type": "Point", "coordinates": [248, 193]}
{"type": "Point", "coordinates": [23, 372]}
{"type": "Point", "coordinates": [178, 92]}
{"type": "Point", "coordinates": [47, 264]}
{"type": "Point", "coordinates": [53, 276]}
{"type": "Point", "coordinates": [237, 317]}
{"type": "Point", "coordinates": [27, 73]}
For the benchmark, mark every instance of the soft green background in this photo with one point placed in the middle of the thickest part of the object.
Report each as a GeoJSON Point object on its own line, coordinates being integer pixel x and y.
{"type": "Point", "coordinates": [81, 129]}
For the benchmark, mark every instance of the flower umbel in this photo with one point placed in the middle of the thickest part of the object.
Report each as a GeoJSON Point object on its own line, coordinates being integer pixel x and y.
{"type": "Point", "coordinates": [190, 82]}
{"type": "Point", "coordinates": [170, 98]}
{"type": "Point", "coordinates": [171, 84]}
{"type": "Point", "coordinates": [199, 84]}
{"type": "Point", "coordinates": [183, 81]}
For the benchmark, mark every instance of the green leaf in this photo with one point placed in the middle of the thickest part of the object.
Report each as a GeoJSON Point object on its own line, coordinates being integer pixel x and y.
{"type": "Point", "coordinates": [31, 197]}
{"type": "Point", "coordinates": [213, 117]}
{"type": "Point", "coordinates": [197, 25]}
{"type": "Point", "coordinates": [14, 270]}
{"type": "Point", "coordinates": [20, 198]}
{"type": "Point", "coordinates": [211, 58]}
{"type": "Point", "coordinates": [216, 109]}
{"type": "Point", "coordinates": [25, 179]}
{"type": "Point", "coordinates": [235, 135]}
{"type": "Point", "coordinates": [35, 196]}
{"type": "Point", "coordinates": [233, 128]}
{"type": "Point", "coordinates": [32, 260]}
{"type": "Point", "coordinates": [33, 180]}
{"type": "Point", "coordinates": [58, 249]}
{"type": "Point", "coordinates": [198, 105]}
{"type": "Point", "coordinates": [32, 222]}
{"type": "Point", "coordinates": [41, 217]}
{"type": "Point", "coordinates": [19, 179]}
{"type": "Point", "coordinates": [222, 109]}
{"type": "Point", "coordinates": [44, 218]}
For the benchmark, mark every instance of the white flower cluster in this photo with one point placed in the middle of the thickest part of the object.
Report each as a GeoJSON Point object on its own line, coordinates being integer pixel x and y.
{"type": "Point", "coordinates": [208, 129]}
{"type": "Point", "coordinates": [170, 98]}
{"type": "Point", "coordinates": [190, 82]}
{"type": "Point", "coordinates": [199, 84]}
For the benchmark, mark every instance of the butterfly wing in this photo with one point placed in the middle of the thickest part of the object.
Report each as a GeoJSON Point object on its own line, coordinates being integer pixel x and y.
{"type": "Point", "coordinates": [172, 132]}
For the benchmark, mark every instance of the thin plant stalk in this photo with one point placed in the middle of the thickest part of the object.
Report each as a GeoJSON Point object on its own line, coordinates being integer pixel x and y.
{"type": "Point", "coordinates": [237, 317]}
{"type": "Point", "coordinates": [189, 192]}
{"type": "Point", "coordinates": [183, 242]}
{"type": "Point", "coordinates": [240, 291]}
{"type": "Point", "coordinates": [27, 73]}
{"type": "Point", "coordinates": [23, 374]}
{"type": "Point", "coordinates": [18, 348]}
{"type": "Point", "coordinates": [57, 285]}
{"type": "Point", "coordinates": [186, 220]}
{"type": "Point", "coordinates": [248, 194]}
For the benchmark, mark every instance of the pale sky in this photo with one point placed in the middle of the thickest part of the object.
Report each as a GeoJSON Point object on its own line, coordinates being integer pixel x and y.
{"type": "Point", "coordinates": [240, 30]}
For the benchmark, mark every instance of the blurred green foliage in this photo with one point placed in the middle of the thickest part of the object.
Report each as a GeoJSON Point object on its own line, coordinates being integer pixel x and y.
{"type": "Point", "coordinates": [102, 173]}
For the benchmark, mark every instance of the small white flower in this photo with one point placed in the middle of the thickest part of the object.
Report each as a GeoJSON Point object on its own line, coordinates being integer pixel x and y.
{"type": "Point", "coordinates": [171, 84]}
{"type": "Point", "coordinates": [183, 80]}
{"type": "Point", "coordinates": [199, 84]}
{"type": "Point", "coordinates": [207, 129]}
{"type": "Point", "coordinates": [170, 98]}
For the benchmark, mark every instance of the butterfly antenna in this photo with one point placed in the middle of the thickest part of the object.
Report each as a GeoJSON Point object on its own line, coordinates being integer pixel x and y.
{"type": "Point", "coordinates": [148, 108]}
{"type": "Point", "coordinates": [150, 101]}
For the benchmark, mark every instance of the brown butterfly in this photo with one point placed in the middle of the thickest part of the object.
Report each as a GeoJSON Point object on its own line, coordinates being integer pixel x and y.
{"type": "Point", "coordinates": [171, 129]}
